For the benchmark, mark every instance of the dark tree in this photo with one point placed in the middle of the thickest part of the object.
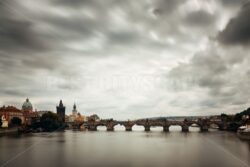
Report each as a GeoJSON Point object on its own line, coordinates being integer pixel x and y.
{"type": "Point", "coordinates": [237, 117]}
{"type": "Point", "coordinates": [50, 122]}
{"type": "Point", "coordinates": [233, 126]}
{"type": "Point", "coordinates": [0, 122]}
{"type": "Point", "coordinates": [246, 112]}
{"type": "Point", "coordinates": [35, 124]}
{"type": "Point", "coordinates": [224, 117]}
{"type": "Point", "coordinates": [16, 121]}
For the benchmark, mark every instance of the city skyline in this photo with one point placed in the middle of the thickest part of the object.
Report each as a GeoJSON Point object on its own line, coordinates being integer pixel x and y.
{"type": "Point", "coordinates": [128, 59]}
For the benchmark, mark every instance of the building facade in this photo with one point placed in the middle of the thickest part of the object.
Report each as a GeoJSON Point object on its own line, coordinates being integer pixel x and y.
{"type": "Point", "coordinates": [73, 116]}
{"type": "Point", "coordinates": [26, 114]}
{"type": "Point", "coordinates": [8, 113]}
{"type": "Point", "coordinates": [29, 114]}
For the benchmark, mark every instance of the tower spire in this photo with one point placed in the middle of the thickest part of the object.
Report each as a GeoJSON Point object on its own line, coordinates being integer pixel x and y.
{"type": "Point", "coordinates": [60, 110]}
{"type": "Point", "coordinates": [74, 111]}
{"type": "Point", "coordinates": [74, 107]}
{"type": "Point", "coordinates": [60, 103]}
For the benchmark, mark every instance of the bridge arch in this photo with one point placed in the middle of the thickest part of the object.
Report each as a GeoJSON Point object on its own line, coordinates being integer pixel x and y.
{"type": "Point", "coordinates": [119, 127]}
{"type": "Point", "coordinates": [175, 128]}
{"type": "Point", "coordinates": [101, 128]}
{"type": "Point", "coordinates": [138, 128]}
{"type": "Point", "coordinates": [194, 127]}
{"type": "Point", "coordinates": [156, 128]}
{"type": "Point", "coordinates": [214, 126]}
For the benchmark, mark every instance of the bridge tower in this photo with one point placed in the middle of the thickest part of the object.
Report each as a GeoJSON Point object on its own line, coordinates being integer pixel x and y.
{"type": "Point", "coordinates": [60, 110]}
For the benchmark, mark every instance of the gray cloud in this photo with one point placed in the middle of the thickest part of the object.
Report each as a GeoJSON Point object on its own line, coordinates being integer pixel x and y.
{"type": "Point", "coordinates": [16, 34]}
{"type": "Point", "coordinates": [200, 18]}
{"type": "Point", "coordinates": [237, 30]}
{"type": "Point", "coordinates": [76, 51]}
{"type": "Point", "coordinates": [215, 71]}
{"type": "Point", "coordinates": [205, 69]}
{"type": "Point", "coordinates": [163, 7]}
{"type": "Point", "coordinates": [233, 3]}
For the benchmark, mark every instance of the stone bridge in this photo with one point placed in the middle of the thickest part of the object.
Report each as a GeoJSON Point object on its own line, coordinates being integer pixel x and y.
{"type": "Point", "coordinates": [204, 124]}
{"type": "Point", "coordinates": [109, 123]}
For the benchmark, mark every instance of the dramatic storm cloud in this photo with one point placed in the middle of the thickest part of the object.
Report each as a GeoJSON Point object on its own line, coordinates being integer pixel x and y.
{"type": "Point", "coordinates": [126, 58]}
{"type": "Point", "coordinates": [237, 30]}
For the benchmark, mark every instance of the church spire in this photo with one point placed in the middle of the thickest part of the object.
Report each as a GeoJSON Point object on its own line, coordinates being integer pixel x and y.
{"type": "Point", "coordinates": [74, 107]}
{"type": "Point", "coordinates": [74, 111]}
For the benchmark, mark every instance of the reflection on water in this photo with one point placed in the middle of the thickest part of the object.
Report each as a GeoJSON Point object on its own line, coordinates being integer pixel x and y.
{"type": "Point", "coordinates": [120, 148]}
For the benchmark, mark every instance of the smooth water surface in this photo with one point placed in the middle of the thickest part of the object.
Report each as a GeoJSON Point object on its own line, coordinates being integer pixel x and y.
{"type": "Point", "coordinates": [125, 149]}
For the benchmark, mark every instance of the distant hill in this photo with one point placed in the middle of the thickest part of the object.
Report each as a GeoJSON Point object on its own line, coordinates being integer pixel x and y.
{"type": "Point", "coordinates": [245, 112]}
{"type": "Point", "coordinates": [175, 117]}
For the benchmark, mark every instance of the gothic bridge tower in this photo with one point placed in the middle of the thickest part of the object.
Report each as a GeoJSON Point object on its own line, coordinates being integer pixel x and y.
{"type": "Point", "coordinates": [60, 110]}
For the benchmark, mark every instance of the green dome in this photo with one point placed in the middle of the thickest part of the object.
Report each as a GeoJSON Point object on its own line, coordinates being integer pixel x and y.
{"type": "Point", "coordinates": [27, 106]}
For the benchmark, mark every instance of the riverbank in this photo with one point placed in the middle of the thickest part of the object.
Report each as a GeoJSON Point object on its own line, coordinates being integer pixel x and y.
{"type": "Point", "coordinates": [8, 131]}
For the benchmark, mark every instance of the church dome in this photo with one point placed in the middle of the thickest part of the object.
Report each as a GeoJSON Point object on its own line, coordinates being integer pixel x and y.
{"type": "Point", "coordinates": [27, 106]}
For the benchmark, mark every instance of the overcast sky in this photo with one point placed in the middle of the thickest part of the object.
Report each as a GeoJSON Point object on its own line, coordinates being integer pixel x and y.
{"type": "Point", "coordinates": [126, 58]}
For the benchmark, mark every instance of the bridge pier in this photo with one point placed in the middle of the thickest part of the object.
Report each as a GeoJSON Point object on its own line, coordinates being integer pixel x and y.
{"type": "Point", "coordinates": [128, 128]}
{"type": "Point", "coordinates": [223, 127]}
{"type": "Point", "coordinates": [166, 128]}
{"type": "Point", "coordinates": [184, 128]}
{"type": "Point", "coordinates": [110, 128]}
{"type": "Point", "coordinates": [147, 128]}
{"type": "Point", "coordinates": [204, 128]}
{"type": "Point", "coordinates": [92, 128]}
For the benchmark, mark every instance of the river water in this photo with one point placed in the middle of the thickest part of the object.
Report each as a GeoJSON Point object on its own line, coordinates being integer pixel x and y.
{"type": "Point", "coordinates": [125, 149]}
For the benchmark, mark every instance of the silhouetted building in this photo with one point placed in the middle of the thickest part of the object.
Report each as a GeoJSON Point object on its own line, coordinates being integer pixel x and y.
{"type": "Point", "coordinates": [248, 123]}
{"type": "Point", "coordinates": [60, 110]}
{"type": "Point", "coordinates": [94, 118]}
{"type": "Point", "coordinates": [74, 111]}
